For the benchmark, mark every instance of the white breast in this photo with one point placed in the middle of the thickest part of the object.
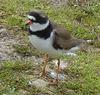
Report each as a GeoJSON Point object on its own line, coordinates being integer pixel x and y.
{"type": "Point", "coordinates": [44, 45]}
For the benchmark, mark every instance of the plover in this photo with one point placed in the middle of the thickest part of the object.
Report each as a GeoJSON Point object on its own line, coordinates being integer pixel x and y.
{"type": "Point", "coordinates": [49, 37]}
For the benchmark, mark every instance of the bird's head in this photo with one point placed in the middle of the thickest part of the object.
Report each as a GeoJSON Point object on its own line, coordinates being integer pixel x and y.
{"type": "Point", "coordinates": [37, 20]}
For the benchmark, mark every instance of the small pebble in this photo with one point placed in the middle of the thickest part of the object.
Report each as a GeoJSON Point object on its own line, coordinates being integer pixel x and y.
{"type": "Point", "coordinates": [53, 75]}
{"type": "Point", "coordinates": [39, 83]}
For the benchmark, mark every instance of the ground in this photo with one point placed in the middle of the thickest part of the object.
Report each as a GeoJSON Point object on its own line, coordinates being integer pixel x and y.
{"type": "Point", "coordinates": [21, 64]}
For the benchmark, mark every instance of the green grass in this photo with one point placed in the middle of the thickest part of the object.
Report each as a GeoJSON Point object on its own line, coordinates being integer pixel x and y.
{"type": "Point", "coordinates": [83, 75]}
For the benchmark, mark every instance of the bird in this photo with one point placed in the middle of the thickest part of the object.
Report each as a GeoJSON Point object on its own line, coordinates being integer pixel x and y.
{"type": "Point", "coordinates": [51, 38]}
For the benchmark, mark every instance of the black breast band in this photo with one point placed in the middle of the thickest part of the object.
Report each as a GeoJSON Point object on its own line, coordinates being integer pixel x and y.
{"type": "Point", "coordinates": [43, 33]}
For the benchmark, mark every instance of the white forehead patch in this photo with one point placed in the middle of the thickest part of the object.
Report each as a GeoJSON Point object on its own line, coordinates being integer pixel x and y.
{"type": "Point", "coordinates": [31, 17]}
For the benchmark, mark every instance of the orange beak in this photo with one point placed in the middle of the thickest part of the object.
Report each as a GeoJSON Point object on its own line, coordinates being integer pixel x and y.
{"type": "Point", "coordinates": [29, 22]}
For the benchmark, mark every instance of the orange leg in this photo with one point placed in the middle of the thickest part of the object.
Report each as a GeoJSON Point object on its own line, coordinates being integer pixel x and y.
{"type": "Point", "coordinates": [55, 82]}
{"type": "Point", "coordinates": [58, 69]}
{"type": "Point", "coordinates": [45, 63]}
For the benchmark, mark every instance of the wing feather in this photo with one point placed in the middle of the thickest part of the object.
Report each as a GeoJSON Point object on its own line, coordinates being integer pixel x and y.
{"type": "Point", "coordinates": [63, 39]}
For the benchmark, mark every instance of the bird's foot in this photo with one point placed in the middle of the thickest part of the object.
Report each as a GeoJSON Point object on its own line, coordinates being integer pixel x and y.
{"type": "Point", "coordinates": [43, 74]}
{"type": "Point", "coordinates": [54, 82]}
{"type": "Point", "coordinates": [58, 70]}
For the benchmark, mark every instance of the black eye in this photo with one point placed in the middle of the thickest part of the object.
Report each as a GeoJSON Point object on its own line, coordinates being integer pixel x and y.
{"type": "Point", "coordinates": [32, 20]}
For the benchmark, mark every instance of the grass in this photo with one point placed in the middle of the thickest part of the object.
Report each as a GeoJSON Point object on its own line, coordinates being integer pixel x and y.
{"type": "Point", "coordinates": [83, 75]}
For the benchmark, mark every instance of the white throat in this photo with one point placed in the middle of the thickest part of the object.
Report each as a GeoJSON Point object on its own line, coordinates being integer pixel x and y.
{"type": "Point", "coordinates": [37, 27]}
